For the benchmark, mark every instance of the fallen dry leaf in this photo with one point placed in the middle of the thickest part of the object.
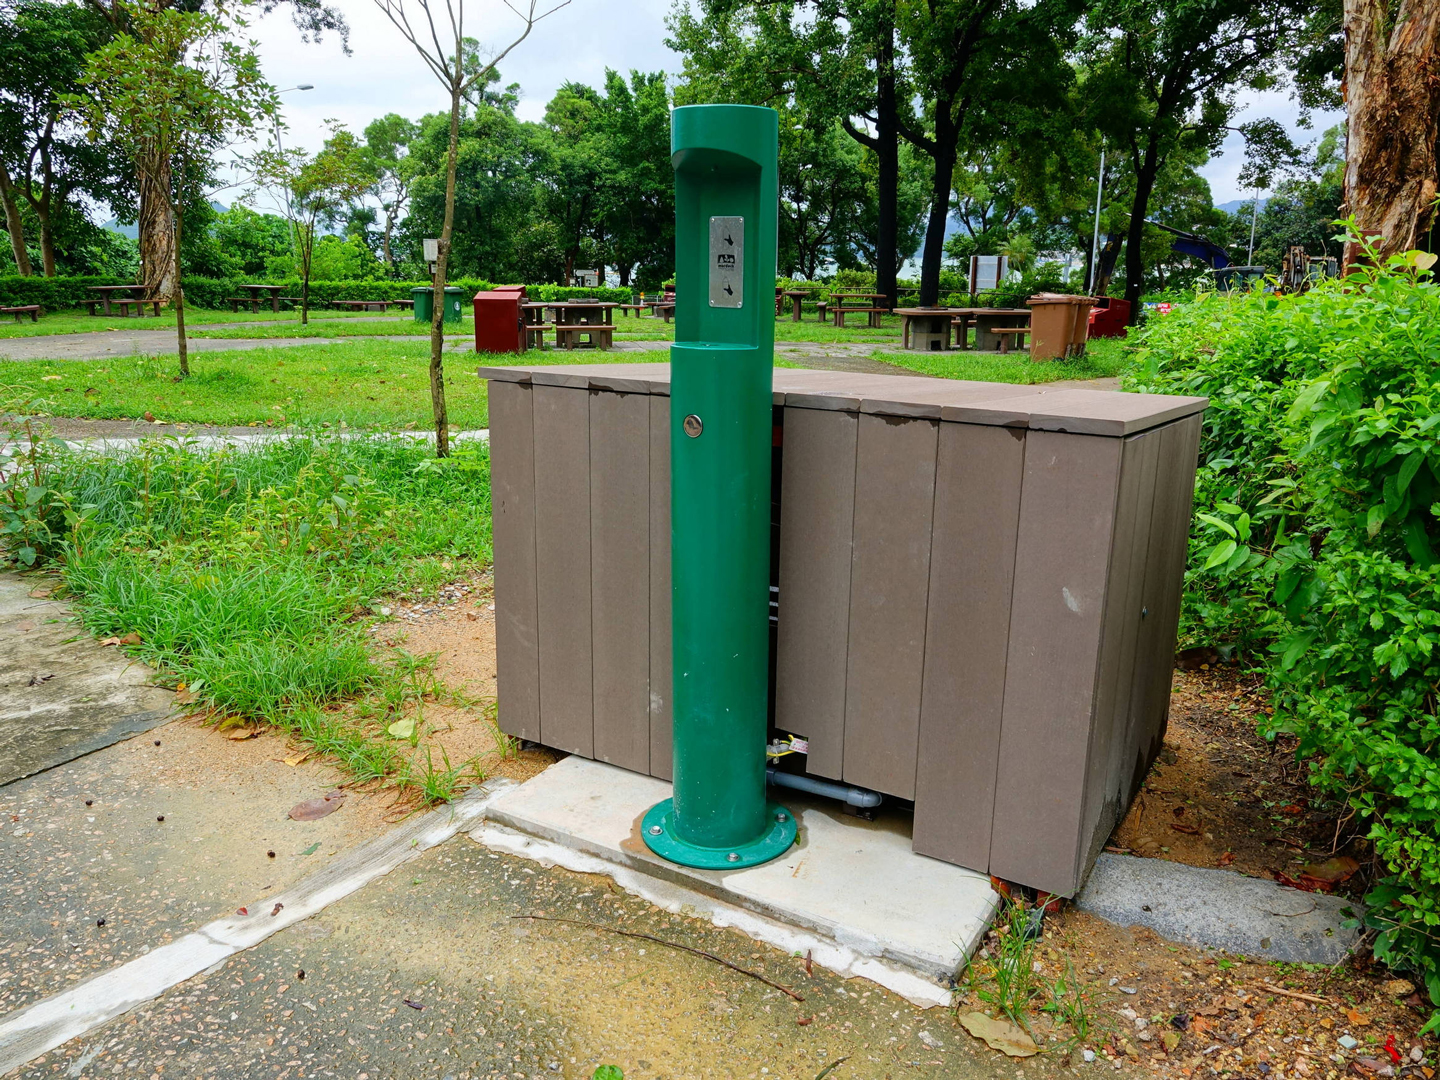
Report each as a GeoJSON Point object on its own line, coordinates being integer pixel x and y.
{"type": "Point", "coordinates": [1356, 1017]}
{"type": "Point", "coordinates": [297, 759]}
{"type": "Point", "coordinates": [1189, 830]}
{"type": "Point", "coordinates": [314, 809]}
{"type": "Point", "coordinates": [109, 641]}
{"type": "Point", "coordinates": [999, 1035]}
{"type": "Point", "coordinates": [241, 734]}
{"type": "Point", "coordinates": [131, 638]}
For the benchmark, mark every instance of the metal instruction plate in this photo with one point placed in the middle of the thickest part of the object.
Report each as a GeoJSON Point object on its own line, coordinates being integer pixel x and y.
{"type": "Point", "coordinates": [727, 262]}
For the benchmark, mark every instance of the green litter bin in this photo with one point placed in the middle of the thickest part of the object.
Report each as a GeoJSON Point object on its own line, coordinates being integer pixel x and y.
{"type": "Point", "coordinates": [454, 303]}
{"type": "Point", "coordinates": [423, 298]}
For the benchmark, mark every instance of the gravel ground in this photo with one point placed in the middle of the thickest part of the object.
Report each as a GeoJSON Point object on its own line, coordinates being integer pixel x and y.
{"type": "Point", "coordinates": [501, 997]}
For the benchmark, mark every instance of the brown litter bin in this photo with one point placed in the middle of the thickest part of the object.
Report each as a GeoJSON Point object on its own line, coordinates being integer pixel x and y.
{"type": "Point", "coordinates": [1052, 324]}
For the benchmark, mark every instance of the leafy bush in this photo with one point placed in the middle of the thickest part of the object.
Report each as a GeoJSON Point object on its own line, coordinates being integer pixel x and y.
{"type": "Point", "coordinates": [1319, 499]}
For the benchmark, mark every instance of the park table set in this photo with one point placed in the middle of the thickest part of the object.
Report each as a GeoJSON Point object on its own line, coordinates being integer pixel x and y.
{"type": "Point", "coordinates": [873, 311]}
{"type": "Point", "coordinates": [256, 298]}
{"type": "Point", "coordinates": [574, 320]}
{"type": "Point", "coordinates": [930, 327]}
{"type": "Point", "coordinates": [797, 297]}
{"type": "Point", "coordinates": [112, 296]}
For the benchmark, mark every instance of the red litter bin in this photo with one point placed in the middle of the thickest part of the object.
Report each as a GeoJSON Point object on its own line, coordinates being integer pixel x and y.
{"type": "Point", "coordinates": [1109, 317]}
{"type": "Point", "coordinates": [499, 319]}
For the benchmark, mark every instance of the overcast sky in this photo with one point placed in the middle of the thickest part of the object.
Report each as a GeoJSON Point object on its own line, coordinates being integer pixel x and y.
{"type": "Point", "coordinates": [578, 43]}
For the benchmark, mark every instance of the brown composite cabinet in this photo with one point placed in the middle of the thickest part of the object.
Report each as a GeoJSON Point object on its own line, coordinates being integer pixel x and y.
{"type": "Point", "coordinates": [979, 589]}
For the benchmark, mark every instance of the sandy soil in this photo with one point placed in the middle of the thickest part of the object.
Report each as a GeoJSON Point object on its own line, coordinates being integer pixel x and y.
{"type": "Point", "coordinates": [457, 629]}
{"type": "Point", "coordinates": [1222, 796]}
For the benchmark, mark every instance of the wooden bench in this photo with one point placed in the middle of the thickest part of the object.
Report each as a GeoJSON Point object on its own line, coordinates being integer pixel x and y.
{"type": "Point", "coordinates": [602, 335]}
{"type": "Point", "coordinates": [663, 310]}
{"type": "Point", "coordinates": [139, 305]}
{"type": "Point", "coordinates": [236, 301]}
{"type": "Point", "coordinates": [874, 314]}
{"type": "Point", "coordinates": [364, 305]}
{"type": "Point", "coordinates": [535, 334]}
{"type": "Point", "coordinates": [1004, 333]}
{"type": "Point", "coordinates": [404, 303]}
{"type": "Point", "coordinates": [626, 309]}
{"type": "Point", "coordinates": [33, 310]}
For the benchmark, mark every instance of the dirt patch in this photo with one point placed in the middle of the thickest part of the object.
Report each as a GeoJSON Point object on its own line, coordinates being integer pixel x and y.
{"type": "Point", "coordinates": [457, 628]}
{"type": "Point", "coordinates": [1221, 795]}
{"type": "Point", "coordinates": [1175, 1010]}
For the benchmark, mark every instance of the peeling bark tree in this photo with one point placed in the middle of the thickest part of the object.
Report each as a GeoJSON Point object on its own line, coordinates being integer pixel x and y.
{"type": "Point", "coordinates": [1392, 104]}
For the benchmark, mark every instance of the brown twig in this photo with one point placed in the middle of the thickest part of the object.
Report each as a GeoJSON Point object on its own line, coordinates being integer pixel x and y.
{"type": "Point", "coordinates": [1271, 988]}
{"type": "Point", "coordinates": [669, 944]}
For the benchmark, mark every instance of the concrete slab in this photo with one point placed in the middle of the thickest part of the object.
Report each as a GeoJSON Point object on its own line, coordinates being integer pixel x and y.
{"type": "Point", "coordinates": [1219, 909]}
{"type": "Point", "coordinates": [61, 694]}
{"type": "Point", "coordinates": [851, 882]}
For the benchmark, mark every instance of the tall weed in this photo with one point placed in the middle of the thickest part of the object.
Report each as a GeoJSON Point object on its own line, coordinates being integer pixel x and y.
{"type": "Point", "coordinates": [248, 572]}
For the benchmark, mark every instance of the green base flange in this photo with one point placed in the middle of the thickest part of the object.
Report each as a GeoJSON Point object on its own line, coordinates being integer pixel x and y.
{"type": "Point", "coordinates": [773, 843]}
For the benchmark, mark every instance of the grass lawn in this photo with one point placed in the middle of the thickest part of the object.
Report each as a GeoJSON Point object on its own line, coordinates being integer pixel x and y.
{"type": "Point", "coordinates": [363, 384]}
{"type": "Point", "coordinates": [251, 577]}
{"type": "Point", "coordinates": [78, 322]}
{"type": "Point", "coordinates": [1104, 357]}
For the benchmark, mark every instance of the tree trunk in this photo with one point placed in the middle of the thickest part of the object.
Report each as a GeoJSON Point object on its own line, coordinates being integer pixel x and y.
{"type": "Point", "coordinates": [385, 244]}
{"type": "Point", "coordinates": [442, 265]}
{"type": "Point", "coordinates": [943, 153]}
{"type": "Point", "coordinates": [47, 246]}
{"type": "Point", "coordinates": [177, 296]}
{"type": "Point", "coordinates": [887, 182]}
{"type": "Point", "coordinates": [1392, 105]}
{"type": "Point", "coordinates": [1109, 256]}
{"type": "Point", "coordinates": [1134, 233]}
{"type": "Point", "coordinates": [307, 251]}
{"type": "Point", "coordinates": [13, 225]}
{"type": "Point", "coordinates": [159, 257]}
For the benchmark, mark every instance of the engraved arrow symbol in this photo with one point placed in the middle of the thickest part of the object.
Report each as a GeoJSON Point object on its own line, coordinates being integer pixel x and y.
{"type": "Point", "coordinates": [729, 291]}
{"type": "Point", "coordinates": [728, 240]}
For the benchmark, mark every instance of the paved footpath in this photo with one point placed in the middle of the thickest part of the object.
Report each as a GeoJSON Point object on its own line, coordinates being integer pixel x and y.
{"type": "Point", "coordinates": [377, 951]}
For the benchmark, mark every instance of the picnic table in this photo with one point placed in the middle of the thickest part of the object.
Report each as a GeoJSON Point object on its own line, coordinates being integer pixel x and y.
{"type": "Point", "coordinates": [255, 299]}
{"type": "Point", "coordinates": [106, 302]}
{"type": "Point", "coordinates": [841, 309]}
{"type": "Point", "coordinates": [591, 320]}
{"type": "Point", "coordinates": [797, 296]}
{"type": "Point", "coordinates": [986, 321]}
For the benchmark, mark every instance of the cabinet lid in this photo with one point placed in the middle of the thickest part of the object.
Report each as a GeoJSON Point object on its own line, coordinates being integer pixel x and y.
{"type": "Point", "coordinates": [1077, 410]}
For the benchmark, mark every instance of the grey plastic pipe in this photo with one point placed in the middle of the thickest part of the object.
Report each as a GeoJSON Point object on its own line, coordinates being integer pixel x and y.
{"type": "Point", "coordinates": [852, 796]}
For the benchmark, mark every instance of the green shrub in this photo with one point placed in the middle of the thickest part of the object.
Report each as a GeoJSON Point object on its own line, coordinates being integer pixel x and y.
{"type": "Point", "coordinates": [1315, 547]}
{"type": "Point", "coordinates": [61, 293]}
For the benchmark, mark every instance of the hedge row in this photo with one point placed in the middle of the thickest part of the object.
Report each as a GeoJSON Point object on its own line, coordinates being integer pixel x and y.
{"type": "Point", "coordinates": [60, 293]}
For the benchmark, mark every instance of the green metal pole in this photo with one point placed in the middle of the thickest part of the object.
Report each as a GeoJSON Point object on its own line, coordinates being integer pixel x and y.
{"type": "Point", "coordinates": [726, 201]}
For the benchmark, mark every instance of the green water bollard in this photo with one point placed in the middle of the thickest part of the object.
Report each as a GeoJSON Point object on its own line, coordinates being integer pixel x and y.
{"type": "Point", "coordinates": [726, 205]}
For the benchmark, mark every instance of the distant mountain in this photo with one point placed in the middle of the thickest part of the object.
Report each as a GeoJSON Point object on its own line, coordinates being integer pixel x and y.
{"type": "Point", "coordinates": [132, 231]}
{"type": "Point", "coordinates": [1234, 206]}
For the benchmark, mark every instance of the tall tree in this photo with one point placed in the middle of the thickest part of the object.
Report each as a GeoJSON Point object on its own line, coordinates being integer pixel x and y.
{"type": "Point", "coordinates": [1163, 78]}
{"type": "Point", "coordinates": [438, 36]}
{"type": "Point", "coordinates": [387, 143]}
{"type": "Point", "coordinates": [314, 190]}
{"type": "Point", "coordinates": [153, 183]}
{"type": "Point", "coordinates": [822, 195]}
{"type": "Point", "coordinates": [170, 91]}
{"type": "Point", "coordinates": [42, 159]}
{"type": "Point", "coordinates": [836, 61]}
{"type": "Point", "coordinates": [638, 198]}
{"type": "Point", "coordinates": [1392, 108]}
